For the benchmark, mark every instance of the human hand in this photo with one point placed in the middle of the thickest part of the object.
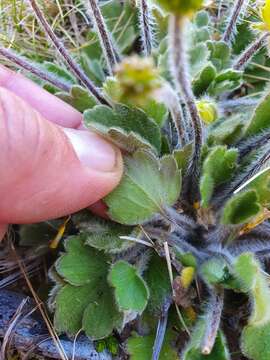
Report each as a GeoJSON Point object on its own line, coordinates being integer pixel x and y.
{"type": "Point", "coordinates": [48, 167]}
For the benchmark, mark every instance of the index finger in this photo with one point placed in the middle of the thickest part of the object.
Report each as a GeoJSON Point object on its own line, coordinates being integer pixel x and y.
{"type": "Point", "coordinates": [48, 105]}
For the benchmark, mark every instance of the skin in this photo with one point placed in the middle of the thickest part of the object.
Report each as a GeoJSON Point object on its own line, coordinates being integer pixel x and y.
{"type": "Point", "coordinates": [49, 166]}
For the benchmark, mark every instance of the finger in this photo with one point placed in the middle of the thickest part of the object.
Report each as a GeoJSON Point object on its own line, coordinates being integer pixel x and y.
{"type": "Point", "coordinates": [48, 105]}
{"type": "Point", "coordinates": [3, 230]}
{"type": "Point", "coordinates": [48, 171]}
{"type": "Point", "coordinates": [100, 209]}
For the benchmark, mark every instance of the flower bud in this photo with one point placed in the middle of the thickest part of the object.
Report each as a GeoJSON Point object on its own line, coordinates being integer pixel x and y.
{"type": "Point", "coordinates": [180, 7]}
{"type": "Point", "coordinates": [137, 79]}
{"type": "Point", "coordinates": [208, 111]}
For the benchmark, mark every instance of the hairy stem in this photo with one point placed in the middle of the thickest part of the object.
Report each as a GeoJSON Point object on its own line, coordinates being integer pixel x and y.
{"type": "Point", "coordinates": [145, 25]}
{"type": "Point", "coordinates": [247, 55]}
{"type": "Point", "coordinates": [254, 143]}
{"type": "Point", "coordinates": [212, 321]}
{"type": "Point", "coordinates": [161, 329]}
{"type": "Point", "coordinates": [74, 67]}
{"type": "Point", "coordinates": [179, 69]}
{"type": "Point", "coordinates": [167, 95]}
{"type": "Point", "coordinates": [231, 26]}
{"type": "Point", "coordinates": [33, 69]}
{"type": "Point", "coordinates": [109, 51]}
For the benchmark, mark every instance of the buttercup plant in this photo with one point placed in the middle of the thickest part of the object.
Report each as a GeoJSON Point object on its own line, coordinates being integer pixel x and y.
{"type": "Point", "coordinates": [189, 231]}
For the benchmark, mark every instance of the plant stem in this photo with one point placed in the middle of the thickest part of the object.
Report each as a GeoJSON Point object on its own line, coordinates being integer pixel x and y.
{"type": "Point", "coordinates": [231, 26]}
{"type": "Point", "coordinates": [145, 25]}
{"type": "Point", "coordinates": [212, 321]}
{"type": "Point", "coordinates": [33, 69]}
{"type": "Point", "coordinates": [161, 329]}
{"type": "Point", "coordinates": [247, 55]}
{"type": "Point", "coordinates": [179, 69]}
{"type": "Point", "coordinates": [111, 55]}
{"type": "Point", "coordinates": [169, 97]}
{"type": "Point", "coordinates": [75, 68]}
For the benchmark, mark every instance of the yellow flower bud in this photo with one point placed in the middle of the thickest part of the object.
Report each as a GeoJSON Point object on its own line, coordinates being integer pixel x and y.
{"type": "Point", "coordinates": [137, 78]}
{"type": "Point", "coordinates": [207, 111]}
{"type": "Point", "coordinates": [265, 13]}
{"type": "Point", "coordinates": [187, 276]}
{"type": "Point", "coordinates": [180, 7]}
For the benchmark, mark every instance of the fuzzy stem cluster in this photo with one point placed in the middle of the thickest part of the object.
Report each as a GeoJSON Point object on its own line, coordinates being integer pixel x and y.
{"type": "Point", "coordinates": [111, 55]}
{"type": "Point", "coordinates": [74, 67]}
{"type": "Point", "coordinates": [33, 69]}
{"type": "Point", "coordinates": [145, 25]}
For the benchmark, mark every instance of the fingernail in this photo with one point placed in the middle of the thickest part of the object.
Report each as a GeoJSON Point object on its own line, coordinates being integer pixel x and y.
{"type": "Point", "coordinates": [92, 150]}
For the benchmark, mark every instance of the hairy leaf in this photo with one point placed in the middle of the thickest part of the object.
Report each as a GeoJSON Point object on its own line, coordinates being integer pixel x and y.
{"type": "Point", "coordinates": [79, 98]}
{"type": "Point", "coordinates": [193, 351]}
{"type": "Point", "coordinates": [255, 336]}
{"type": "Point", "coordinates": [218, 168]}
{"type": "Point", "coordinates": [241, 208]}
{"type": "Point", "coordinates": [147, 187]}
{"type": "Point", "coordinates": [260, 118]}
{"type": "Point", "coordinates": [158, 281]}
{"type": "Point", "coordinates": [81, 264]}
{"type": "Point", "coordinates": [203, 79]}
{"type": "Point", "coordinates": [129, 128]}
{"type": "Point", "coordinates": [141, 348]}
{"type": "Point", "coordinates": [131, 292]}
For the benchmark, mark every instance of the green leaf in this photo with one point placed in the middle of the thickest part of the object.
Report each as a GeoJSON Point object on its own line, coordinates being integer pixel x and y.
{"type": "Point", "coordinates": [202, 19]}
{"type": "Point", "coordinates": [89, 308]}
{"type": "Point", "coordinates": [219, 54]}
{"type": "Point", "coordinates": [227, 131]}
{"type": "Point", "coordinates": [147, 186]}
{"type": "Point", "coordinates": [102, 316]}
{"type": "Point", "coordinates": [262, 186]}
{"type": "Point", "coordinates": [86, 302]}
{"type": "Point", "coordinates": [203, 79]}
{"type": "Point", "coordinates": [79, 98]}
{"type": "Point", "coordinates": [255, 342]}
{"type": "Point", "coordinates": [260, 118]}
{"type": "Point", "coordinates": [241, 208]}
{"type": "Point", "coordinates": [182, 158]}
{"type": "Point", "coordinates": [129, 128]}
{"type": "Point", "coordinates": [131, 292]}
{"type": "Point", "coordinates": [81, 264]}
{"type": "Point", "coordinates": [254, 281]}
{"type": "Point", "coordinates": [102, 234]}
{"type": "Point", "coordinates": [218, 168]}
{"type": "Point", "coordinates": [156, 111]}
{"type": "Point", "coordinates": [71, 301]}
{"type": "Point", "coordinates": [219, 352]}
{"type": "Point", "coordinates": [158, 281]}
{"type": "Point", "coordinates": [227, 80]}
{"type": "Point", "coordinates": [217, 271]}
{"type": "Point", "coordinates": [59, 73]}
{"type": "Point", "coordinates": [141, 347]}
{"type": "Point", "coordinates": [198, 58]}
{"type": "Point", "coordinates": [255, 336]}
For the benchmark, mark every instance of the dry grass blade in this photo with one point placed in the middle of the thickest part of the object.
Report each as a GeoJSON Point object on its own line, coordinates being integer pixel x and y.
{"type": "Point", "coordinates": [11, 327]}
{"type": "Point", "coordinates": [41, 307]}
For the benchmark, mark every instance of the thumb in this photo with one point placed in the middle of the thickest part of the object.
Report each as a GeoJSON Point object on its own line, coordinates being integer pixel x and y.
{"type": "Point", "coordinates": [48, 171]}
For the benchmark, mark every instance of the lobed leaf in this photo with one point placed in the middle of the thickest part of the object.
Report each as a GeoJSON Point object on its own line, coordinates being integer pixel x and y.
{"type": "Point", "coordinates": [131, 292]}
{"type": "Point", "coordinates": [148, 186]}
{"type": "Point", "coordinates": [241, 208]}
{"type": "Point", "coordinates": [218, 168]}
{"type": "Point", "coordinates": [129, 128]}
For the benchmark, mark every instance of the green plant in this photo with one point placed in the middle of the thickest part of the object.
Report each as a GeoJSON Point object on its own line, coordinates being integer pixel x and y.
{"type": "Point", "coordinates": [192, 208]}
